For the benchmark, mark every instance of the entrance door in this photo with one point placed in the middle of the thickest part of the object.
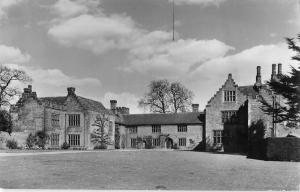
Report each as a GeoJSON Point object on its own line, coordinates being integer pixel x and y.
{"type": "Point", "coordinates": [169, 143]}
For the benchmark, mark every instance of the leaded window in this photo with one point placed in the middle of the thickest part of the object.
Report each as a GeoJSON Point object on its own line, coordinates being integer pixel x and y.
{"type": "Point", "coordinates": [229, 96]}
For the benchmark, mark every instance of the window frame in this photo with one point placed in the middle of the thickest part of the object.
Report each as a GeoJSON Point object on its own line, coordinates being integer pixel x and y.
{"type": "Point", "coordinates": [229, 95]}
{"type": "Point", "coordinates": [133, 129]}
{"type": "Point", "coordinates": [229, 116]}
{"type": "Point", "coordinates": [182, 128]}
{"type": "Point", "coordinates": [156, 128]}
{"type": "Point", "coordinates": [54, 139]}
{"type": "Point", "coordinates": [218, 137]}
{"type": "Point", "coordinates": [74, 120]}
{"type": "Point", "coordinates": [55, 117]}
{"type": "Point", "coordinates": [182, 142]}
{"type": "Point", "coordinates": [133, 142]}
{"type": "Point", "coordinates": [74, 140]}
{"type": "Point", "coordinates": [156, 142]}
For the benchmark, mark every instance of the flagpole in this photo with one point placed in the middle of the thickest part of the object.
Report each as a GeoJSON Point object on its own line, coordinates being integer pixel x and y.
{"type": "Point", "coordinates": [173, 21]}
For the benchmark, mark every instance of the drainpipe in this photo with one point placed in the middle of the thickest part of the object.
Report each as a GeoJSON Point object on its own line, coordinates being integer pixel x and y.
{"type": "Point", "coordinates": [84, 125]}
{"type": "Point", "coordinates": [44, 127]}
{"type": "Point", "coordinates": [65, 127]}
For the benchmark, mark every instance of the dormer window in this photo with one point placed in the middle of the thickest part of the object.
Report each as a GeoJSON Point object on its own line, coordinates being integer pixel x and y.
{"type": "Point", "coordinates": [229, 96]}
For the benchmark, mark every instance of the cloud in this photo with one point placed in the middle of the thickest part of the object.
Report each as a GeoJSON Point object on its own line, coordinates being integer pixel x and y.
{"type": "Point", "coordinates": [54, 77]}
{"type": "Point", "coordinates": [124, 99]}
{"type": "Point", "coordinates": [83, 24]}
{"type": "Point", "coordinates": [198, 2]}
{"type": "Point", "coordinates": [67, 8]}
{"type": "Point", "coordinates": [96, 33]}
{"type": "Point", "coordinates": [10, 54]}
{"type": "Point", "coordinates": [148, 51]}
{"type": "Point", "coordinates": [212, 74]}
{"type": "Point", "coordinates": [156, 53]}
{"type": "Point", "coordinates": [53, 82]}
{"type": "Point", "coordinates": [5, 5]}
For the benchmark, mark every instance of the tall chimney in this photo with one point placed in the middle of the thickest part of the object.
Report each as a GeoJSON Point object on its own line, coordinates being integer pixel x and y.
{"type": "Point", "coordinates": [71, 90]}
{"type": "Point", "coordinates": [113, 105]}
{"type": "Point", "coordinates": [279, 69]}
{"type": "Point", "coordinates": [195, 107]}
{"type": "Point", "coordinates": [273, 75]}
{"type": "Point", "coordinates": [258, 76]}
{"type": "Point", "coordinates": [30, 88]}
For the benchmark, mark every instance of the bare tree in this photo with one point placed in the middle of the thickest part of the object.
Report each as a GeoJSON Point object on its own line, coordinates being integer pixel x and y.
{"type": "Point", "coordinates": [181, 97]}
{"type": "Point", "coordinates": [7, 78]}
{"type": "Point", "coordinates": [166, 97]}
{"type": "Point", "coordinates": [158, 97]}
{"type": "Point", "coordinates": [100, 136]}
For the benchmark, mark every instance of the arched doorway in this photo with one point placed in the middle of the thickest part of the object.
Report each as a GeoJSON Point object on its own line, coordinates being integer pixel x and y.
{"type": "Point", "coordinates": [169, 143]}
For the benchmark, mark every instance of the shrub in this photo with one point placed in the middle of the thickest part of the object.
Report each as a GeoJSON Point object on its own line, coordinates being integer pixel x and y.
{"type": "Point", "coordinates": [65, 145]}
{"type": "Point", "coordinates": [175, 146]}
{"type": "Point", "coordinates": [41, 139]}
{"type": "Point", "coordinates": [30, 141]}
{"type": "Point", "coordinates": [100, 147]}
{"type": "Point", "coordinates": [12, 144]}
{"type": "Point", "coordinates": [5, 122]}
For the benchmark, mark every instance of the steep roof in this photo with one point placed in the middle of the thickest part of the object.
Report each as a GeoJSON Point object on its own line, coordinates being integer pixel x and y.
{"type": "Point", "coordinates": [163, 119]}
{"type": "Point", "coordinates": [87, 104]}
{"type": "Point", "coordinates": [57, 100]}
{"type": "Point", "coordinates": [92, 105]}
{"type": "Point", "coordinates": [248, 90]}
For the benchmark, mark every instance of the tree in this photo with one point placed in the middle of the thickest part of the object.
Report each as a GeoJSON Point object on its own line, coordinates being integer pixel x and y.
{"type": "Point", "coordinates": [181, 97]}
{"type": "Point", "coordinates": [166, 97]}
{"type": "Point", "coordinates": [288, 87]}
{"type": "Point", "coordinates": [158, 96]}
{"type": "Point", "coordinates": [5, 122]}
{"type": "Point", "coordinates": [99, 136]}
{"type": "Point", "coordinates": [7, 78]}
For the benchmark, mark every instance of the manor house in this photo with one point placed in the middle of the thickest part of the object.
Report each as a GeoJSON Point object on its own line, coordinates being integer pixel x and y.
{"type": "Point", "coordinates": [225, 124]}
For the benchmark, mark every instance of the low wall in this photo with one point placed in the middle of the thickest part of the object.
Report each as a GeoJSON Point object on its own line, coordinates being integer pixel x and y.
{"type": "Point", "coordinates": [275, 149]}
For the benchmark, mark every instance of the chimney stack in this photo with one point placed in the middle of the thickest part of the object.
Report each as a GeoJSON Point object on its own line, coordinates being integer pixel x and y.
{"type": "Point", "coordinates": [71, 90]}
{"type": "Point", "coordinates": [273, 75]}
{"type": "Point", "coordinates": [113, 105]}
{"type": "Point", "coordinates": [279, 69]}
{"type": "Point", "coordinates": [258, 76]}
{"type": "Point", "coordinates": [195, 107]}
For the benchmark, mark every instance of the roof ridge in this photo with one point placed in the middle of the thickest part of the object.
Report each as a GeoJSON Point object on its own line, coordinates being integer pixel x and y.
{"type": "Point", "coordinates": [165, 113]}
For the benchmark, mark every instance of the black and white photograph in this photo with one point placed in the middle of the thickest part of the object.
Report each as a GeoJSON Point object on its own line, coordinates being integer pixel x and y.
{"type": "Point", "coordinates": [178, 95]}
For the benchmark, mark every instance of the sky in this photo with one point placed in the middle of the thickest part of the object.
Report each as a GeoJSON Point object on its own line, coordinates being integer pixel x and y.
{"type": "Point", "coordinates": [113, 49]}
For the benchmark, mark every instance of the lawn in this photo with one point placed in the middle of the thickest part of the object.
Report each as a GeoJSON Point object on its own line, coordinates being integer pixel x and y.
{"type": "Point", "coordinates": [173, 170]}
